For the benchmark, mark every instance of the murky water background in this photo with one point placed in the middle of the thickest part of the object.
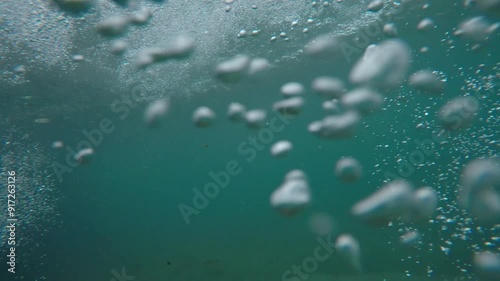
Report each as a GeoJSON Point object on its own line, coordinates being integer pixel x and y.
{"type": "Point", "coordinates": [122, 211]}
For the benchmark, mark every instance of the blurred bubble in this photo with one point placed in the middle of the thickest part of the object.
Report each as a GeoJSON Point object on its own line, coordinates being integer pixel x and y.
{"type": "Point", "coordinates": [487, 265]}
{"type": "Point", "coordinates": [292, 89]}
{"type": "Point", "coordinates": [289, 107]}
{"type": "Point", "coordinates": [232, 70]}
{"type": "Point", "coordinates": [426, 24]}
{"type": "Point", "coordinates": [337, 126]}
{"type": "Point", "coordinates": [390, 30]}
{"type": "Point", "coordinates": [328, 87]}
{"type": "Point", "coordinates": [322, 224]}
{"type": "Point", "coordinates": [83, 156]}
{"type": "Point", "coordinates": [476, 29]}
{"type": "Point", "coordinates": [410, 238]}
{"type": "Point", "coordinates": [375, 5]}
{"type": "Point", "coordinates": [292, 196]}
{"type": "Point", "coordinates": [385, 66]}
{"type": "Point", "coordinates": [362, 100]}
{"type": "Point", "coordinates": [480, 184]}
{"type": "Point", "coordinates": [255, 118]}
{"type": "Point", "coordinates": [392, 201]}
{"type": "Point", "coordinates": [323, 46]}
{"type": "Point", "coordinates": [348, 247]}
{"type": "Point", "coordinates": [281, 148]}
{"type": "Point", "coordinates": [348, 169]}
{"type": "Point", "coordinates": [236, 111]}
{"type": "Point", "coordinates": [113, 27]}
{"type": "Point", "coordinates": [203, 117]}
{"type": "Point", "coordinates": [156, 110]}
{"type": "Point", "coordinates": [458, 113]}
{"type": "Point", "coordinates": [427, 81]}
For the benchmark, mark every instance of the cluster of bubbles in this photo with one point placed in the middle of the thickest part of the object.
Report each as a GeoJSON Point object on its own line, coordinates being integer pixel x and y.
{"type": "Point", "coordinates": [36, 196]}
{"type": "Point", "coordinates": [118, 39]}
{"type": "Point", "coordinates": [383, 67]}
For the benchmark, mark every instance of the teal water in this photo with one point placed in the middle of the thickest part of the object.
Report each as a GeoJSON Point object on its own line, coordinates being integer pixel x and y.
{"type": "Point", "coordinates": [122, 210]}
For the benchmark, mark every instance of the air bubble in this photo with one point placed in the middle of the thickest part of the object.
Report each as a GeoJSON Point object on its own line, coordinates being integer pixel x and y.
{"type": "Point", "coordinates": [348, 169]}
{"type": "Point", "coordinates": [281, 148]}
{"type": "Point", "coordinates": [203, 117]}
{"type": "Point", "coordinates": [292, 196]}
{"type": "Point", "coordinates": [292, 89]}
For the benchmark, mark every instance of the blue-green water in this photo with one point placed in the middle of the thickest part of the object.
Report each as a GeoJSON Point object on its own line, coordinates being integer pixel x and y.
{"type": "Point", "coordinates": [121, 212]}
